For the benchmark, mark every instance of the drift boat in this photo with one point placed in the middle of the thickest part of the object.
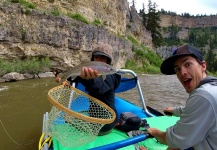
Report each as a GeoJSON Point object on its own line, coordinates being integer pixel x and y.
{"type": "Point", "coordinates": [118, 139]}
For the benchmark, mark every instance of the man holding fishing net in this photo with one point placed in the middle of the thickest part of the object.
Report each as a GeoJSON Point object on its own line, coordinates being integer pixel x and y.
{"type": "Point", "coordinates": [197, 127]}
{"type": "Point", "coordinates": [101, 88]}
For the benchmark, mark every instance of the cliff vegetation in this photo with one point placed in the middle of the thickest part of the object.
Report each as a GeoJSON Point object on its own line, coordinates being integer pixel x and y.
{"type": "Point", "coordinates": [65, 33]}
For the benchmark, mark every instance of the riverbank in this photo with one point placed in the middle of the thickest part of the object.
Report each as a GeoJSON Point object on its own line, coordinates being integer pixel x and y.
{"type": "Point", "coordinates": [15, 76]}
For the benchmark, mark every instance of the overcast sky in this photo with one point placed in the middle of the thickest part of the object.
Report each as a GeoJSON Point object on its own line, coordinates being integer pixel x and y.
{"type": "Point", "coordinates": [193, 7]}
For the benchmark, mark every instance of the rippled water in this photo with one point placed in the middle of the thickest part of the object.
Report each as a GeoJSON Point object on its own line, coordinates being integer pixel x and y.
{"type": "Point", "coordinates": [159, 91]}
{"type": "Point", "coordinates": [23, 103]}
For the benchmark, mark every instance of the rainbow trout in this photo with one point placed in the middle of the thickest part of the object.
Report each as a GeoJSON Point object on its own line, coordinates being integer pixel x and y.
{"type": "Point", "coordinates": [103, 69]}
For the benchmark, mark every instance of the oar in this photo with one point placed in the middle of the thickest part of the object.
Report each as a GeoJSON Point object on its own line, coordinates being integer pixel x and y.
{"type": "Point", "coordinates": [122, 143]}
{"type": "Point", "coordinates": [157, 113]}
{"type": "Point", "coordinates": [154, 111]}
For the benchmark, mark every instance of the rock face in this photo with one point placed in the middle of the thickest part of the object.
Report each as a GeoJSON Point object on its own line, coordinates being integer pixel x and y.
{"type": "Point", "coordinates": [35, 32]}
{"type": "Point", "coordinates": [184, 25]}
{"type": "Point", "coordinates": [66, 41]}
{"type": "Point", "coordinates": [193, 22]}
{"type": "Point", "coordinates": [113, 13]}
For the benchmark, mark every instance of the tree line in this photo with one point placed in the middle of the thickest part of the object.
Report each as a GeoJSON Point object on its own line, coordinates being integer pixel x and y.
{"type": "Point", "coordinates": [198, 37]}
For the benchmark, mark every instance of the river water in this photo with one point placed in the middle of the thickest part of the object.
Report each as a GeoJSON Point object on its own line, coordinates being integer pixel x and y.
{"type": "Point", "coordinates": [23, 103]}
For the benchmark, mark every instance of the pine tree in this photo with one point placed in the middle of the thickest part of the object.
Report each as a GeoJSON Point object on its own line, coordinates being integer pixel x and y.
{"type": "Point", "coordinates": [210, 60]}
{"type": "Point", "coordinates": [151, 22]}
{"type": "Point", "coordinates": [143, 15]}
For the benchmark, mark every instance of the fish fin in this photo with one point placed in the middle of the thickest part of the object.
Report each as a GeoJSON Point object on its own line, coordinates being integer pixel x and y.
{"type": "Point", "coordinates": [118, 71]}
{"type": "Point", "coordinates": [73, 77]}
{"type": "Point", "coordinates": [103, 77]}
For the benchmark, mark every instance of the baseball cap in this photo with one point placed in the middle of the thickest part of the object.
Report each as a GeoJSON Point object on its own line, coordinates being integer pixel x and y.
{"type": "Point", "coordinates": [167, 67]}
{"type": "Point", "coordinates": [103, 50]}
{"type": "Point", "coordinates": [102, 54]}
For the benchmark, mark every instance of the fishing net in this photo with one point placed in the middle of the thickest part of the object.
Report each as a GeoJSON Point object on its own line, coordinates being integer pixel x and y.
{"type": "Point", "coordinates": [76, 117]}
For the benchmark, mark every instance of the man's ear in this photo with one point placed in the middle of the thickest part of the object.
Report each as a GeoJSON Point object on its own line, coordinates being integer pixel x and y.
{"type": "Point", "coordinates": [203, 64]}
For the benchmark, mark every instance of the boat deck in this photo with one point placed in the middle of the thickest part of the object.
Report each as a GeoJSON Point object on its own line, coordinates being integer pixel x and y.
{"type": "Point", "coordinates": [151, 143]}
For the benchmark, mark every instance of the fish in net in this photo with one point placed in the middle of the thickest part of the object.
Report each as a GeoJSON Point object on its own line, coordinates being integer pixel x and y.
{"type": "Point", "coordinates": [76, 118]}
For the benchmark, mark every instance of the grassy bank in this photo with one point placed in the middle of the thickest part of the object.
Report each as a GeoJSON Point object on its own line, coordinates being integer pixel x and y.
{"type": "Point", "coordinates": [144, 60]}
{"type": "Point", "coordinates": [32, 65]}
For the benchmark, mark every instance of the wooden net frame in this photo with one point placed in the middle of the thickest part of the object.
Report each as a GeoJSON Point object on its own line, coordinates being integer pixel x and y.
{"type": "Point", "coordinates": [76, 117]}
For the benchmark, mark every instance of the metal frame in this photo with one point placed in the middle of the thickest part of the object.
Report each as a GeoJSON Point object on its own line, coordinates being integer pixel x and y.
{"type": "Point", "coordinates": [125, 71]}
{"type": "Point", "coordinates": [45, 116]}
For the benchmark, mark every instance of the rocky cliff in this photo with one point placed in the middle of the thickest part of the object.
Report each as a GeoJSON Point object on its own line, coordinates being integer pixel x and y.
{"type": "Point", "coordinates": [192, 22]}
{"type": "Point", "coordinates": [113, 13]}
{"type": "Point", "coordinates": [35, 32]}
{"type": "Point", "coordinates": [184, 25]}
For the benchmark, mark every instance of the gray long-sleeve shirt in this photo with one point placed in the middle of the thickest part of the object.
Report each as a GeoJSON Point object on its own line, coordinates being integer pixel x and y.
{"type": "Point", "coordinates": [197, 126]}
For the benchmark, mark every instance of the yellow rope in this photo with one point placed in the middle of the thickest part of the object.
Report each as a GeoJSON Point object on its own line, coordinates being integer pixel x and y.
{"type": "Point", "coordinates": [47, 140]}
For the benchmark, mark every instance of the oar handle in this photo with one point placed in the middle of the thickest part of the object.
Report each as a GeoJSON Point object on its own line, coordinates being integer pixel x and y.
{"type": "Point", "coordinates": [122, 143]}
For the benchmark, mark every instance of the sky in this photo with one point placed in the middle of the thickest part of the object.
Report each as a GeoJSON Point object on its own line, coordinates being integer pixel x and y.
{"type": "Point", "coordinates": [193, 7]}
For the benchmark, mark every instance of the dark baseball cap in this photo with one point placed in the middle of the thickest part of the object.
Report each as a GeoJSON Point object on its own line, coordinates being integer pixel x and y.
{"type": "Point", "coordinates": [101, 54]}
{"type": "Point", "coordinates": [103, 50]}
{"type": "Point", "coordinates": [167, 67]}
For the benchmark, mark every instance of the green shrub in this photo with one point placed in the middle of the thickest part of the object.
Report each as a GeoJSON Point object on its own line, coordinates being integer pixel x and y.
{"type": "Point", "coordinates": [212, 73]}
{"type": "Point", "coordinates": [149, 69]}
{"type": "Point", "coordinates": [128, 26]}
{"type": "Point", "coordinates": [30, 65]}
{"type": "Point", "coordinates": [133, 40]}
{"type": "Point", "coordinates": [25, 3]}
{"type": "Point", "coordinates": [130, 64]}
{"type": "Point", "coordinates": [152, 69]}
{"type": "Point", "coordinates": [153, 58]}
{"type": "Point", "coordinates": [15, 1]}
{"type": "Point", "coordinates": [55, 12]}
{"type": "Point", "coordinates": [96, 22]}
{"type": "Point", "coordinates": [149, 61]}
{"type": "Point", "coordinates": [78, 17]}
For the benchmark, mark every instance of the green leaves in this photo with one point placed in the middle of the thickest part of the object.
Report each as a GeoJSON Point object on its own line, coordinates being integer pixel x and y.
{"type": "Point", "coordinates": [30, 65]}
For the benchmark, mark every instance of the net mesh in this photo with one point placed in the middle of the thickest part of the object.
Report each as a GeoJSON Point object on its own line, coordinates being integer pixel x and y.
{"type": "Point", "coordinates": [76, 117]}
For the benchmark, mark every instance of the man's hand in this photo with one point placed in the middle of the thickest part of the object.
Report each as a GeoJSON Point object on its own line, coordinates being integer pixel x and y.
{"type": "Point", "coordinates": [159, 135]}
{"type": "Point", "coordinates": [88, 73]}
{"type": "Point", "coordinates": [58, 79]}
{"type": "Point", "coordinates": [142, 148]}
{"type": "Point", "coordinates": [168, 111]}
{"type": "Point", "coordinates": [65, 83]}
